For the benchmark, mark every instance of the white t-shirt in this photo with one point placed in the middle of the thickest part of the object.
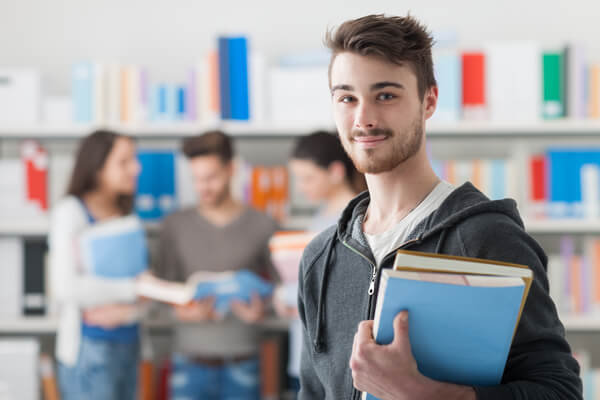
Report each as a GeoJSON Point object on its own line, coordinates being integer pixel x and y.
{"type": "Point", "coordinates": [384, 243]}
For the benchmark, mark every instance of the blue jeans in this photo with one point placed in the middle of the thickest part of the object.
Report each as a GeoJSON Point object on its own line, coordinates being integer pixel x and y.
{"type": "Point", "coordinates": [232, 381]}
{"type": "Point", "coordinates": [105, 370]}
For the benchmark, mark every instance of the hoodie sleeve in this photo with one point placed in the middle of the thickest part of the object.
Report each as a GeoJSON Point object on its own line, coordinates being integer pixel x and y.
{"type": "Point", "coordinates": [540, 364]}
{"type": "Point", "coordinates": [310, 385]}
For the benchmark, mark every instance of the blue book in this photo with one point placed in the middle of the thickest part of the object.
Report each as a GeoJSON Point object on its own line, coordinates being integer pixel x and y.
{"type": "Point", "coordinates": [565, 179]}
{"type": "Point", "coordinates": [83, 85]}
{"type": "Point", "coordinates": [224, 78]}
{"type": "Point", "coordinates": [233, 286]}
{"type": "Point", "coordinates": [223, 286]}
{"type": "Point", "coordinates": [115, 249]}
{"type": "Point", "coordinates": [165, 181]}
{"type": "Point", "coordinates": [146, 203]}
{"type": "Point", "coordinates": [448, 74]}
{"type": "Point", "coordinates": [463, 313]}
{"type": "Point", "coordinates": [238, 78]}
{"type": "Point", "coordinates": [156, 184]}
{"type": "Point", "coordinates": [181, 103]}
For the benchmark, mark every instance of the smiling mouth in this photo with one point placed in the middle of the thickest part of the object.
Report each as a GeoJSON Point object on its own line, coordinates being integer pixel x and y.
{"type": "Point", "coordinates": [370, 140]}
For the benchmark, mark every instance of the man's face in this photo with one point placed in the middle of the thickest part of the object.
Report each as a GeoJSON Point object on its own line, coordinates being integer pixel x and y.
{"type": "Point", "coordinates": [212, 179]}
{"type": "Point", "coordinates": [377, 111]}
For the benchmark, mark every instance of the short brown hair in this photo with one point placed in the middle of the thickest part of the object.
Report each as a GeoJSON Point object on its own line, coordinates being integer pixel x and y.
{"type": "Point", "coordinates": [210, 143]}
{"type": "Point", "coordinates": [399, 40]}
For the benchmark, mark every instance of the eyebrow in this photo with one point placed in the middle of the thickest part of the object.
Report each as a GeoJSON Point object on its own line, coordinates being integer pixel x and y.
{"type": "Point", "coordinates": [375, 86]}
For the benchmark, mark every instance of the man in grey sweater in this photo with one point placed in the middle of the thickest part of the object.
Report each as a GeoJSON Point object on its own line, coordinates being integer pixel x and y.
{"type": "Point", "coordinates": [215, 355]}
{"type": "Point", "coordinates": [383, 91]}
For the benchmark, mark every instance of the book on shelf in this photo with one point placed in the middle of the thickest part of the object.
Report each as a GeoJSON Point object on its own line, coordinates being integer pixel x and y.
{"type": "Point", "coordinates": [554, 84]}
{"type": "Point", "coordinates": [590, 376]}
{"type": "Point", "coordinates": [223, 286]}
{"type": "Point", "coordinates": [450, 301]}
{"type": "Point", "coordinates": [513, 80]}
{"type": "Point", "coordinates": [20, 95]}
{"type": "Point", "coordinates": [574, 276]}
{"type": "Point", "coordinates": [448, 74]}
{"type": "Point", "coordinates": [19, 368]}
{"type": "Point", "coordinates": [473, 86]}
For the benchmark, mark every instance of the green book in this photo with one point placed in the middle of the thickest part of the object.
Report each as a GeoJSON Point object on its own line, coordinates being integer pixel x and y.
{"type": "Point", "coordinates": [554, 86]}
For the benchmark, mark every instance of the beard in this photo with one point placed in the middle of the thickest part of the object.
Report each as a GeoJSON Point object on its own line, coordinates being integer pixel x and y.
{"type": "Point", "coordinates": [398, 149]}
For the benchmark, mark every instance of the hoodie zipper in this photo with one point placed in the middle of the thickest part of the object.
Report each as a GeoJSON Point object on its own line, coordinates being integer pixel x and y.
{"type": "Point", "coordinates": [374, 279]}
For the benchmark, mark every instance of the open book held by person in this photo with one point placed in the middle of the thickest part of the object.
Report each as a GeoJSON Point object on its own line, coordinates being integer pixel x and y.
{"type": "Point", "coordinates": [223, 286]}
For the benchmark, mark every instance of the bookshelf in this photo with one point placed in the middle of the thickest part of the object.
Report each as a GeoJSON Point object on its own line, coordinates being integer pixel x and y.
{"type": "Point", "coordinates": [48, 325]}
{"type": "Point", "coordinates": [471, 129]}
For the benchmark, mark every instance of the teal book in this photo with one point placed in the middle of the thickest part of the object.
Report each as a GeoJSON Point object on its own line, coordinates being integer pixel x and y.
{"type": "Point", "coordinates": [554, 85]}
{"type": "Point", "coordinates": [463, 313]}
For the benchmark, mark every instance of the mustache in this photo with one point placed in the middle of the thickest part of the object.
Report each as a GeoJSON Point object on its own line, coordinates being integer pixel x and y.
{"type": "Point", "coordinates": [371, 132]}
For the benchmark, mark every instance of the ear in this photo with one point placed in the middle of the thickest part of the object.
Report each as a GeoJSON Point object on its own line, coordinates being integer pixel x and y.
{"type": "Point", "coordinates": [430, 101]}
{"type": "Point", "coordinates": [337, 171]}
{"type": "Point", "coordinates": [230, 167]}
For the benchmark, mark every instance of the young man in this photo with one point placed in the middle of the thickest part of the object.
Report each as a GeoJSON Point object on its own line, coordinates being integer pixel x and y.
{"type": "Point", "coordinates": [383, 91]}
{"type": "Point", "coordinates": [215, 355]}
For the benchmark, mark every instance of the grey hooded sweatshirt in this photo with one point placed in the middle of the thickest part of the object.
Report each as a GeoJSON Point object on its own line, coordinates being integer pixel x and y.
{"type": "Point", "coordinates": [338, 270]}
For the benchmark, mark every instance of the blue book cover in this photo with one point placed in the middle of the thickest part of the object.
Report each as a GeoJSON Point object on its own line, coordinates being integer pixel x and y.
{"type": "Point", "coordinates": [498, 182]}
{"type": "Point", "coordinates": [115, 249]}
{"type": "Point", "coordinates": [234, 286]}
{"type": "Point", "coordinates": [156, 184]}
{"type": "Point", "coordinates": [565, 179]}
{"type": "Point", "coordinates": [238, 78]}
{"type": "Point", "coordinates": [461, 323]}
{"type": "Point", "coordinates": [82, 92]}
{"type": "Point", "coordinates": [448, 74]}
{"type": "Point", "coordinates": [165, 182]}
{"type": "Point", "coordinates": [224, 78]}
{"type": "Point", "coordinates": [181, 103]}
{"type": "Point", "coordinates": [146, 203]}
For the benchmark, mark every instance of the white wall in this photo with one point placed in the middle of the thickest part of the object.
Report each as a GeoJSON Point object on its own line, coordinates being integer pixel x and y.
{"type": "Point", "coordinates": [168, 36]}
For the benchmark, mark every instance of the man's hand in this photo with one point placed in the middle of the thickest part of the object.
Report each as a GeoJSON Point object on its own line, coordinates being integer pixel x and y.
{"type": "Point", "coordinates": [197, 311]}
{"type": "Point", "coordinates": [110, 316]}
{"type": "Point", "coordinates": [390, 372]}
{"type": "Point", "coordinates": [252, 312]}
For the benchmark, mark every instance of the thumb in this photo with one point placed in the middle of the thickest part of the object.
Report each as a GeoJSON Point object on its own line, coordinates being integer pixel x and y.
{"type": "Point", "coordinates": [401, 338]}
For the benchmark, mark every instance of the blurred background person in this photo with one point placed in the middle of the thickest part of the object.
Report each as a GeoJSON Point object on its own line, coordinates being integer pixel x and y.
{"type": "Point", "coordinates": [324, 174]}
{"type": "Point", "coordinates": [215, 356]}
{"type": "Point", "coordinates": [97, 342]}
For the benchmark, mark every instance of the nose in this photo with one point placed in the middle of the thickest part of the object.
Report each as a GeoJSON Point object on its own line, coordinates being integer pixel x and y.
{"type": "Point", "coordinates": [366, 117]}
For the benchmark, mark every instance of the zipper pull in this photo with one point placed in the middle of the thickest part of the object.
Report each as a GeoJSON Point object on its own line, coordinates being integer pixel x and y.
{"type": "Point", "coordinates": [372, 284]}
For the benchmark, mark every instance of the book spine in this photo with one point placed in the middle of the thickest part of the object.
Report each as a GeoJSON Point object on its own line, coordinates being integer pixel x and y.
{"type": "Point", "coordinates": [224, 78]}
{"type": "Point", "coordinates": [34, 298]}
{"type": "Point", "coordinates": [553, 100]}
{"type": "Point", "coordinates": [82, 92]}
{"type": "Point", "coordinates": [238, 78]}
{"type": "Point", "coordinates": [473, 90]}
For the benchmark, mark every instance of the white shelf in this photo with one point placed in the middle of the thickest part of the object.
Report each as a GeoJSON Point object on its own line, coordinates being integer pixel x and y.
{"type": "Point", "coordinates": [37, 227]}
{"type": "Point", "coordinates": [48, 325]}
{"type": "Point", "coordinates": [582, 323]}
{"type": "Point", "coordinates": [566, 226]}
{"type": "Point", "coordinates": [175, 129]}
{"type": "Point", "coordinates": [33, 325]}
{"type": "Point", "coordinates": [182, 129]}
{"type": "Point", "coordinates": [550, 226]}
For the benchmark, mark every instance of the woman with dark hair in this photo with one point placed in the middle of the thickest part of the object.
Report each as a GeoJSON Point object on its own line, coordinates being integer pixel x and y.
{"type": "Point", "coordinates": [325, 175]}
{"type": "Point", "coordinates": [97, 343]}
